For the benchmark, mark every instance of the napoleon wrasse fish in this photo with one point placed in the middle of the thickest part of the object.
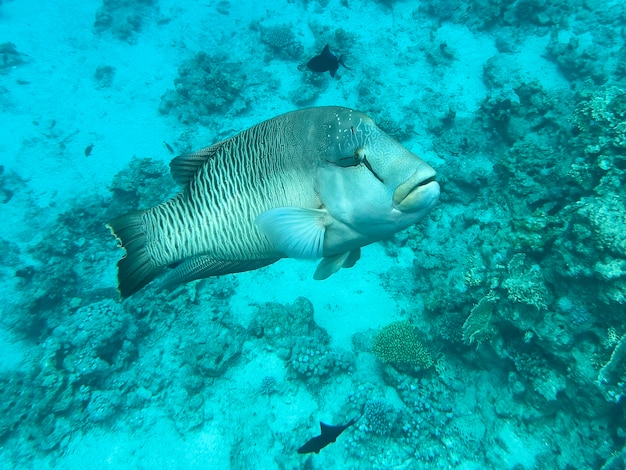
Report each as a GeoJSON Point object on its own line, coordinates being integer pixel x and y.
{"type": "Point", "coordinates": [314, 183]}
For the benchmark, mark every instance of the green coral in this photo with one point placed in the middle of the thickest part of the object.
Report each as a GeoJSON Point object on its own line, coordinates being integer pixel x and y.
{"type": "Point", "coordinates": [397, 343]}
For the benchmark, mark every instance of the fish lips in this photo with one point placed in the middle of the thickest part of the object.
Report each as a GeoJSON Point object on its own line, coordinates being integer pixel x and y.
{"type": "Point", "coordinates": [419, 192]}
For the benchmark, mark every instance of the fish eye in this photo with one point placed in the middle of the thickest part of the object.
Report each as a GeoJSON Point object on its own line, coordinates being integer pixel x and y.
{"type": "Point", "coordinates": [353, 160]}
{"type": "Point", "coordinates": [346, 162]}
{"type": "Point", "coordinates": [357, 158]}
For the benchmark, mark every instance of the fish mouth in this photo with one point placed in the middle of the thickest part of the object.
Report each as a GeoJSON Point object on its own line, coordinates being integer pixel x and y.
{"type": "Point", "coordinates": [419, 192]}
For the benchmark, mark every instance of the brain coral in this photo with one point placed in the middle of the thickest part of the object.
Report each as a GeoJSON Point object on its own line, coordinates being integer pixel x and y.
{"type": "Point", "coordinates": [397, 343]}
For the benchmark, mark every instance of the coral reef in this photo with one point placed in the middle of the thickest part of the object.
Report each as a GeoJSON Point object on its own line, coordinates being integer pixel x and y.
{"type": "Point", "coordinates": [68, 382]}
{"type": "Point", "coordinates": [291, 330]}
{"type": "Point", "coordinates": [314, 362]}
{"type": "Point", "coordinates": [526, 14]}
{"type": "Point", "coordinates": [514, 351]}
{"type": "Point", "coordinates": [576, 62]}
{"type": "Point", "coordinates": [208, 85]}
{"type": "Point", "coordinates": [144, 183]}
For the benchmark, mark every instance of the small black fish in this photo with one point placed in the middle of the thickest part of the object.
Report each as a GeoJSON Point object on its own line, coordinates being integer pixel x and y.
{"type": "Point", "coordinates": [329, 435]}
{"type": "Point", "coordinates": [88, 150]}
{"type": "Point", "coordinates": [326, 62]}
{"type": "Point", "coordinates": [168, 147]}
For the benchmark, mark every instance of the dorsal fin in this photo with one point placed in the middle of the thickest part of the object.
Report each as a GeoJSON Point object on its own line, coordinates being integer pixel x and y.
{"type": "Point", "coordinates": [185, 166]}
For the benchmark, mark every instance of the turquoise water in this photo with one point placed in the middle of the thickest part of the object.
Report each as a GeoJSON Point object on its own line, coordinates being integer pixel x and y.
{"type": "Point", "coordinates": [503, 308]}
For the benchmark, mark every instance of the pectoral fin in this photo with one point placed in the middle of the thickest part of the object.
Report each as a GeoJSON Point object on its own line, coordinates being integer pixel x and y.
{"type": "Point", "coordinates": [294, 231]}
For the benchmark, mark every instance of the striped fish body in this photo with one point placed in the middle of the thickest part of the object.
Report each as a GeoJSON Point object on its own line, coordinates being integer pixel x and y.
{"type": "Point", "coordinates": [210, 225]}
{"type": "Point", "coordinates": [314, 183]}
{"type": "Point", "coordinates": [227, 186]}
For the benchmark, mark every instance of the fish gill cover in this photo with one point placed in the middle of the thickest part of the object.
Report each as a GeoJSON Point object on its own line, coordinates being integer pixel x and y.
{"type": "Point", "coordinates": [515, 284]}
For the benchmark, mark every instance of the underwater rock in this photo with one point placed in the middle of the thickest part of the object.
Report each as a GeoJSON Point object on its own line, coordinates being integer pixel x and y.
{"type": "Point", "coordinates": [313, 361]}
{"type": "Point", "coordinates": [186, 411]}
{"type": "Point", "coordinates": [521, 111]}
{"type": "Point", "coordinates": [576, 63]}
{"type": "Point", "coordinates": [103, 76]}
{"type": "Point", "coordinates": [212, 353]}
{"type": "Point", "coordinates": [57, 433]}
{"type": "Point", "coordinates": [505, 44]}
{"type": "Point", "coordinates": [124, 18]}
{"type": "Point", "coordinates": [10, 57]}
{"type": "Point", "coordinates": [102, 335]}
{"type": "Point", "coordinates": [281, 325]}
{"type": "Point", "coordinates": [10, 184]}
{"type": "Point", "coordinates": [304, 94]}
{"type": "Point", "coordinates": [103, 405]}
{"type": "Point", "coordinates": [502, 71]}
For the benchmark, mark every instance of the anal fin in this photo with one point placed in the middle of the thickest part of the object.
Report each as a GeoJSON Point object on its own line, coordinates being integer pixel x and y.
{"type": "Point", "coordinates": [200, 267]}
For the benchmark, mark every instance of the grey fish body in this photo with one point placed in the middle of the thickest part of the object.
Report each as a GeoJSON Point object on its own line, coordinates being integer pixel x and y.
{"type": "Point", "coordinates": [283, 188]}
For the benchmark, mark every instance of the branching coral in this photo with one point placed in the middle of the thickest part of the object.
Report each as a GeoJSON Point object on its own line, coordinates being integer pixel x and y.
{"type": "Point", "coordinates": [380, 417]}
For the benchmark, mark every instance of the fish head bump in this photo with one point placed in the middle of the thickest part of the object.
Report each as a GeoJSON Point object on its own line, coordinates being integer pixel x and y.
{"type": "Point", "coordinates": [370, 184]}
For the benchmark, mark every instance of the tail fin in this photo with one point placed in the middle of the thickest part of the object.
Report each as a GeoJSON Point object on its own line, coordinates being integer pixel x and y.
{"type": "Point", "coordinates": [136, 268]}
